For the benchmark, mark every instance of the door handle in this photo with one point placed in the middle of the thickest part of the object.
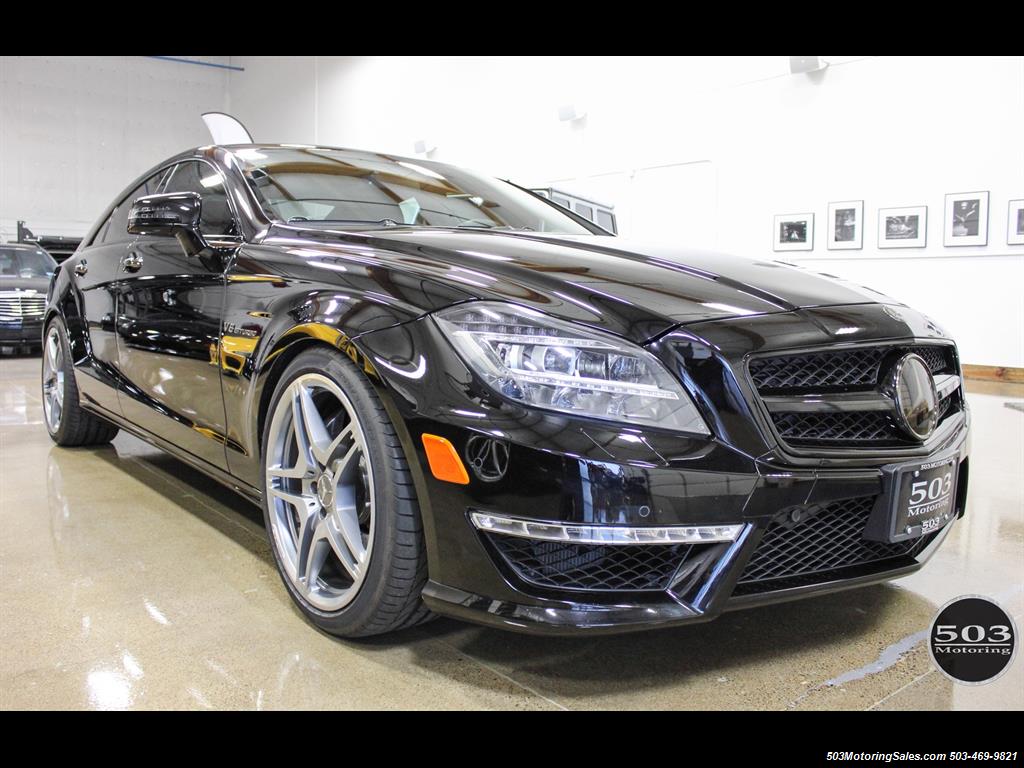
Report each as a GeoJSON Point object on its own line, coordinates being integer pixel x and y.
{"type": "Point", "coordinates": [132, 262]}
{"type": "Point", "coordinates": [81, 268]}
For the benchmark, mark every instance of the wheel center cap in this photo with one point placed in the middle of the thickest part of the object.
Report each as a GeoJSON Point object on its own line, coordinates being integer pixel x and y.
{"type": "Point", "coordinates": [325, 489]}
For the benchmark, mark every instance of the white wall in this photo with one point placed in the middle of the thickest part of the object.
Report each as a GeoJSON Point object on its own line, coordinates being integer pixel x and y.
{"type": "Point", "coordinates": [718, 145]}
{"type": "Point", "coordinates": [74, 131]}
{"type": "Point", "coordinates": [275, 97]}
{"type": "Point", "coordinates": [715, 146]}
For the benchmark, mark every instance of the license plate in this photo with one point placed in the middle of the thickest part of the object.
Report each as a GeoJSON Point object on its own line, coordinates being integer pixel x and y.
{"type": "Point", "coordinates": [923, 498]}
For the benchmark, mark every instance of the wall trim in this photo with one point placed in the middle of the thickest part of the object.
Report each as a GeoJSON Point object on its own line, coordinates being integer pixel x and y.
{"type": "Point", "coordinates": [994, 373]}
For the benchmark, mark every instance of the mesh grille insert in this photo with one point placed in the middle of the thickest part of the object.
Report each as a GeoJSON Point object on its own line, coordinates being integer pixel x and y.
{"type": "Point", "coordinates": [567, 565]}
{"type": "Point", "coordinates": [861, 427]}
{"type": "Point", "coordinates": [847, 368]}
{"type": "Point", "coordinates": [829, 540]}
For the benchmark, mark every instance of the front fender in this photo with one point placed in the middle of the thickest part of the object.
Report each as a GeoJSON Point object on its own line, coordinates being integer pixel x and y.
{"type": "Point", "coordinates": [257, 344]}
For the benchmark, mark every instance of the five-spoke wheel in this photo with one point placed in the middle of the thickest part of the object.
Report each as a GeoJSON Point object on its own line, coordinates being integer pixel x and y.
{"type": "Point", "coordinates": [321, 491]}
{"type": "Point", "coordinates": [53, 378]}
{"type": "Point", "coordinates": [66, 421]}
{"type": "Point", "coordinates": [339, 501]}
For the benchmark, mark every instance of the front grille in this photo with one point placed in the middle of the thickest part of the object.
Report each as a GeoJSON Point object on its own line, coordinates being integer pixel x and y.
{"type": "Point", "coordinates": [19, 305]}
{"type": "Point", "coordinates": [597, 567]}
{"type": "Point", "coordinates": [827, 539]}
{"type": "Point", "coordinates": [839, 369]}
{"type": "Point", "coordinates": [828, 372]}
{"type": "Point", "coordinates": [864, 427]}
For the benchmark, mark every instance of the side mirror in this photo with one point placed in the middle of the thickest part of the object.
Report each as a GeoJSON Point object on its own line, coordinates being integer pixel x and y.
{"type": "Point", "coordinates": [175, 214]}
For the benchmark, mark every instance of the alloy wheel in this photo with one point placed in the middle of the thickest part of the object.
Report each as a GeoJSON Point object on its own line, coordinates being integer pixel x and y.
{"type": "Point", "coordinates": [53, 379]}
{"type": "Point", "coordinates": [319, 485]}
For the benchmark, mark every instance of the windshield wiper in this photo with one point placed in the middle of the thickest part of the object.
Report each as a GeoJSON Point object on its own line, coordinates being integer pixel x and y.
{"type": "Point", "coordinates": [468, 224]}
{"type": "Point", "coordinates": [379, 222]}
{"type": "Point", "coordinates": [503, 228]}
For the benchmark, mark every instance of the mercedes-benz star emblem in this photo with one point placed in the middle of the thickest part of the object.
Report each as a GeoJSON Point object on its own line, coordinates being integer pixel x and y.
{"type": "Point", "coordinates": [917, 401]}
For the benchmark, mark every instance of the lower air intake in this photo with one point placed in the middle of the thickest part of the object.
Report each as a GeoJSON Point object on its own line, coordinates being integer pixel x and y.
{"type": "Point", "coordinates": [595, 567]}
{"type": "Point", "coordinates": [828, 539]}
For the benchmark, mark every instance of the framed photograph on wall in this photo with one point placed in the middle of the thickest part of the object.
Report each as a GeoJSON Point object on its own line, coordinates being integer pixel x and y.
{"type": "Point", "coordinates": [845, 226]}
{"type": "Point", "coordinates": [794, 232]}
{"type": "Point", "coordinates": [1015, 223]}
{"type": "Point", "coordinates": [903, 227]}
{"type": "Point", "coordinates": [966, 219]}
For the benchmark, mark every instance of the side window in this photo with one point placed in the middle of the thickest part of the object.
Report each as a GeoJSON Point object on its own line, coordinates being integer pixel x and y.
{"type": "Point", "coordinates": [115, 230]}
{"type": "Point", "coordinates": [194, 176]}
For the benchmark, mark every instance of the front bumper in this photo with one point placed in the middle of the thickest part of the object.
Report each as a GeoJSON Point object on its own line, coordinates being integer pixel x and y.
{"type": "Point", "coordinates": [714, 583]}
{"type": "Point", "coordinates": [574, 471]}
{"type": "Point", "coordinates": [19, 332]}
{"type": "Point", "coordinates": [573, 618]}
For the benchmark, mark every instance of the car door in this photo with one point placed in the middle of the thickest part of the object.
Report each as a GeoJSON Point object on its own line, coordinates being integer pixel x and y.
{"type": "Point", "coordinates": [168, 330]}
{"type": "Point", "coordinates": [96, 272]}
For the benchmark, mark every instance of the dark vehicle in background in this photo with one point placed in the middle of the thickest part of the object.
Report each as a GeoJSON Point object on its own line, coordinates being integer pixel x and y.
{"type": "Point", "coordinates": [451, 395]}
{"type": "Point", "coordinates": [25, 272]}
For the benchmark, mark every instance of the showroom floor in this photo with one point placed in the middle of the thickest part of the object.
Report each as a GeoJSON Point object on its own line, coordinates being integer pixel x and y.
{"type": "Point", "coordinates": [129, 580]}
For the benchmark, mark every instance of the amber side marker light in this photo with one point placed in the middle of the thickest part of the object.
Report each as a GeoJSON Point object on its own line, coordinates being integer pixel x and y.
{"type": "Point", "coordinates": [444, 460]}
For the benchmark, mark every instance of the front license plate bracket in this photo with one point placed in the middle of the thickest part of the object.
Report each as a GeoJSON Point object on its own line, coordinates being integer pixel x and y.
{"type": "Point", "coordinates": [917, 498]}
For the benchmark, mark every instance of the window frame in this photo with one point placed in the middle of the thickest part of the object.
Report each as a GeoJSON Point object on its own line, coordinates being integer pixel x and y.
{"type": "Point", "coordinates": [164, 172]}
{"type": "Point", "coordinates": [236, 220]}
{"type": "Point", "coordinates": [101, 232]}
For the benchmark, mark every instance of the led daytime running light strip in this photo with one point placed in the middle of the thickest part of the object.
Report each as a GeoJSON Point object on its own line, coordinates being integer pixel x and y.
{"type": "Point", "coordinates": [542, 341]}
{"type": "Point", "coordinates": [599, 385]}
{"type": "Point", "coordinates": [605, 534]}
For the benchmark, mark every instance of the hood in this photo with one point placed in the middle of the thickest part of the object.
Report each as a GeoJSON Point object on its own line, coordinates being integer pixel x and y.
{"type": "Point", "coordinates": [37, 284]}
{"type": "Point", "coordinates": [634, 289]}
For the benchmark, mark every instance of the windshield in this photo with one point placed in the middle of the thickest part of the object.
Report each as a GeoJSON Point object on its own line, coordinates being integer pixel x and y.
{"type": "Point", "coordinates": [365, 188]}
{"type": "Point", "coordinates": [21, 262]}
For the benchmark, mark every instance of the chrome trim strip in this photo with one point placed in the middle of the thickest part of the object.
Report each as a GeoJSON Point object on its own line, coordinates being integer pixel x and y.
{"type": "Point", "coordinates": [946, 385]}
{"type": "Point", "coordinates": [839, 401]}
{"type": "Point", "coordinates": [615, 535]}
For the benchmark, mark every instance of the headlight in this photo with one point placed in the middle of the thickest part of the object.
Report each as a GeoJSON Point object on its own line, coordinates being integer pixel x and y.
{"type": "Point", "coordinates": [536, 360]}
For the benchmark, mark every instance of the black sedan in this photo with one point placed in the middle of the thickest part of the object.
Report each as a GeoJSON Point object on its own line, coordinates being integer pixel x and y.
{"type": "Point", "coordinates": [25, 272]}
{"type": "Point", "coordinates": [451, 395]}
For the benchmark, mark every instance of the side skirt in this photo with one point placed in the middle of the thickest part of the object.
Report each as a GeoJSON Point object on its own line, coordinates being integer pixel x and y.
{"type": "Point", "coordinates": [216, 473]}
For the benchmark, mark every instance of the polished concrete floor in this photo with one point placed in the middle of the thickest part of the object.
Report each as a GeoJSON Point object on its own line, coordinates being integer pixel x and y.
{"type": "Point", "coordinates": [128, 580]}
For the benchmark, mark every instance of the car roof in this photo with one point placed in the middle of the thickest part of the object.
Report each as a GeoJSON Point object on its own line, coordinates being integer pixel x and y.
{"type": "Point", "coordinates": [354, 150]}
{"type": "Point", "coordinates": [23, 246]}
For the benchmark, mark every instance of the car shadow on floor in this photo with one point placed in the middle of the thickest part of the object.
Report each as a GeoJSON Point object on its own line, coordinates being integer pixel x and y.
{"type": "Point", "coordinates": [218, 506]}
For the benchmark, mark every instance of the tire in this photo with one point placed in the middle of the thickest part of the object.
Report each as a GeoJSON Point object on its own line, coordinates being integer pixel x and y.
{"type": "Point", "coordinates": [66, 421]}
{"type": "Point", "coordinates": [355, 494]}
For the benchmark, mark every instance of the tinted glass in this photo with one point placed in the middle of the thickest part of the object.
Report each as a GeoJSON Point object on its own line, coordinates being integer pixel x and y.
{"type": "Point", "coordinates": [116, 228]}
{"type": "Point", "coordinates": [604, 219]}
{"type": "Point", "coordinates": [315, 184]}
{"type": "Point", "coordinates": [193, 176]}
{"type": "Point", "coordinates": [585, 211]}
{"type": "Point", "coordinates": [25, 263]}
